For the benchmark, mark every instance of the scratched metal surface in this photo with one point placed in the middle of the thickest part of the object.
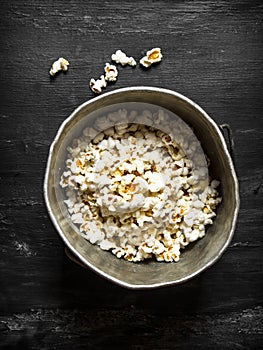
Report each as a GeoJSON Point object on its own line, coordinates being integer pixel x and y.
{"type": "Point", "coordinates": [213, 54]}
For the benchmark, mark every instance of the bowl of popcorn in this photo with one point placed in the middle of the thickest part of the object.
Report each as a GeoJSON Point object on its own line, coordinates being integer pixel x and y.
{"type": "Point", "coordinates": [141, 187]}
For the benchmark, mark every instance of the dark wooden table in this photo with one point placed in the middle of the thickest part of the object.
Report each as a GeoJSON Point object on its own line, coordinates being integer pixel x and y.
{"type": "Point", "coordinates": [213, 53]}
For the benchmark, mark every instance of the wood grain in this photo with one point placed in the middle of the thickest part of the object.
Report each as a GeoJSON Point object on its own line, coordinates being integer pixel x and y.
{"type": "Point", "coordinates": [77, 329]}
{"type": "Point", "coordinates": [213, 54]}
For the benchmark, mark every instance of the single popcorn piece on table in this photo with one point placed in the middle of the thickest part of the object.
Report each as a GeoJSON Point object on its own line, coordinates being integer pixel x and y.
{"type": "Point", "coordinates": [111, 72]}
{"type": "Point", "coordinates": [97, 85]}
{"type": "Point", "coordinates": [152, 56]}
{"type": "Point", "coordinates": [137, 203]}
{"type": "Point", "coordinates": [59, 65]}
{"type": "Point", "coordinates": [120, 57]}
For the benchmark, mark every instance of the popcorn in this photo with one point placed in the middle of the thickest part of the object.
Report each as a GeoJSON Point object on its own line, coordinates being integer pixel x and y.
{"type": "Point", "coordinates": [97, 85]}
{"type": "Point", "coordinates": [60, 64]}
{"type": "Point", "coordinates": [156, 182]}
{"type": "Point", "coordinates": [152, 56]}
{"type": "Point", "coordinates": [77, 218]}
{"type": "Point", "coordinates": [89, 132]}
{"type": "Point", "coordinates": [98, 138]}
{"type": "Point", "coordinates": [107, 244]}
{"type": "Point", "coordinates": [111, 72]}
{"type": "Point", "coordinates": [120, 57]}
{"type": "Point", "coordinates": [141, 185]}
{"type": "Point", "coordinates": [132, 190]}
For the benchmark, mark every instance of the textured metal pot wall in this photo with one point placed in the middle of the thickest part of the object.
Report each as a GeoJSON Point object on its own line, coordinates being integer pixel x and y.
{"type": "Point", "coordinates": [197, 256]}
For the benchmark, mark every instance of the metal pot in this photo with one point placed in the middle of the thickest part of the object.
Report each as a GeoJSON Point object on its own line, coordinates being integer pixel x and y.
{"type": "Point", "coordinates": [195, 258]}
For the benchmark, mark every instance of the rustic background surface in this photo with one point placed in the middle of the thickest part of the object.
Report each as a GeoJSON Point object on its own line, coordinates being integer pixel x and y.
{"type": "Point", "coordinates": [213, 54]}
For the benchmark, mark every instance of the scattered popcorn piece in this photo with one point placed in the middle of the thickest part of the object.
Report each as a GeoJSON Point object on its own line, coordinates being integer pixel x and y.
{"type": "Point", "coordinates": [120, 57]}
{"type": "Point", "coordinates": [60, 64]}
{"type": "Point", "coordinates": [111, 72]}
{"type": "Point", "coordinates": [97, 85]}
{"type": "Point", "coordinates": [152, 56]}
{"type": "Point", "coordinates": [133, 191]}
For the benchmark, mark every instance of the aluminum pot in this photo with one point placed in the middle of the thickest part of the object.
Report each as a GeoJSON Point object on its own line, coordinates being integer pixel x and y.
{"type": "Point", "coordinates": [197, 256]}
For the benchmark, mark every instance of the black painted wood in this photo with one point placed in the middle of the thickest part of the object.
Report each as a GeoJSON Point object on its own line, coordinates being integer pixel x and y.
{"type": "Point", "coordinates": [213, 54]}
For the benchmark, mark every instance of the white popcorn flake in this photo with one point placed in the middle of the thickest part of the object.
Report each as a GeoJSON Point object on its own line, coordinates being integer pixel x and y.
{"type": "Point", "coordinates": [107, 245]}
{"type": "Point", "coordinates": [98, 138]}
{"type": "Point", "coordinates": [111, 72]}
{"type": "Point", "coordinates": [66, 173]}
{"type": "Point", "coordinates": [96, 235]}
{"type": "Point", "coordinates": [152, 56]}
{"type": "Point", "coordinates": [119, 252]}
{"type": "Point", "coordinates": [193, 236]}
{"type": "Point", "coordinates": [69, 203]}
{"type": "Point", "coordinates": [120, 57]}
{"type": "Point", "coordinates": [215, 183]}
{"type": "Point", "coordinates": [97, 85]}
{"type": "Point", "coordinates": [158, 248]}
{"type": "Point", "coordinates": [129, 191]}
{"type": "Point", "coordinates": [141, 185]}
{"type": "Point", "coordinates": [60, 65]}
{"type": "Point", "coordinates": [89, 132]}
{"type": "Point", "coordinates": [77, 218]}
{"type": "Point", "coordinates": [156, 182]}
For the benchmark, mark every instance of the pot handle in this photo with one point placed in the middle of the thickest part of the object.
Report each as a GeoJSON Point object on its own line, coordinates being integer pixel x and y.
{"type": "Point", "coordinates": [73, 258]}
{"type": "Point", "coordinates": [228, 135]}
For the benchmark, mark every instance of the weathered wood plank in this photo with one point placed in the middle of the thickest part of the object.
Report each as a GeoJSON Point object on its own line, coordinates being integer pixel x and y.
{"type": "Point", "coordinates": [213, 54]}
{"type": "Point", "coordinates": [126, 328]}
